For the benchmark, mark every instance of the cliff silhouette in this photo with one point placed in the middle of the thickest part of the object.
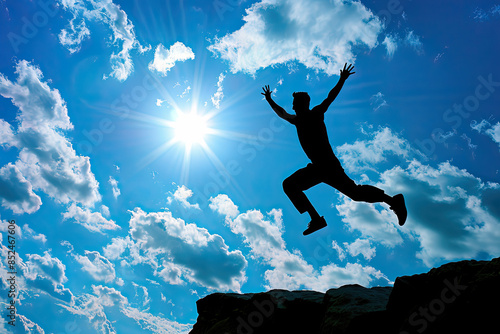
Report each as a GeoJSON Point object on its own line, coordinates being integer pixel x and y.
{"type": "Point", "coordinates": [458, 297]}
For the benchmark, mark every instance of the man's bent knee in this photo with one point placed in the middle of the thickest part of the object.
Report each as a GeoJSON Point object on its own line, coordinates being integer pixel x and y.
{"type": "Point", "coordinates": [288, 185]}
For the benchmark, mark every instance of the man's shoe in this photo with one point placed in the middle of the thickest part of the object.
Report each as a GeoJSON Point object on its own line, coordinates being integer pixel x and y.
{"type": "Point", "coordinates": [314, 225]}
{"type": "Point", "coordinates": [399, 208]}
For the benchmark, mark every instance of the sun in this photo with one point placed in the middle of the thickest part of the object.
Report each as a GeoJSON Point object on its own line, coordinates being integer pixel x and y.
{"type": "Point", "coordinates": [189, 132]}
{"type": "Point", "coordinates": [190, 128]}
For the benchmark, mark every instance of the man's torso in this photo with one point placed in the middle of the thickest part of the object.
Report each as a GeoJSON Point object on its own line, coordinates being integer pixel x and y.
{"type": "Point", "coordinates": [313, 136]}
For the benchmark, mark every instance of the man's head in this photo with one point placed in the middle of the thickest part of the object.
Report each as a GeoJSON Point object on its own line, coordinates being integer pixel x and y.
{"type": "Point", "coordinates": [301, 101]}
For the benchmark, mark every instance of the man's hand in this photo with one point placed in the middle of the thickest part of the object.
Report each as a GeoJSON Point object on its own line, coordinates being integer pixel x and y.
{"type": "Point", "coordinates": [277, 109]}
{"type": "Point", "coordinates": [267, 92]}
{"type": "Point", "coordinates": [346, 72]}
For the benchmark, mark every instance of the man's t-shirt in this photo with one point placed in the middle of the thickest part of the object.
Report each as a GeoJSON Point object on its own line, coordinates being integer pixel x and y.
{"type": "Point", "coordinates": [313, 137]}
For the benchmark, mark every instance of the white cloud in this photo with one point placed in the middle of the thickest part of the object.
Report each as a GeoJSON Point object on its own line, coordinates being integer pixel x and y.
{"type": "Point", "coordinates": [3, 325]}
{"type": "Point", "coordinates": [119, 281]}
{"type": "Point", "coordinates": [361, 246]}
{"type": "Point", "coordinates": [180, 252]}
{"type": "Point", "coordinates": [66, 243]}
{"type": "Point", "coordinates": [442, 137]}
{"type": "Point", "coordinates": [319, 35]}
{"type": "Point", "coordinates": [73, 37]}
{"type": "Point", "coordinates": [99, 267]}
{"type": "Point", "coordinates": [105, 211]}
{"type": "Point", "coordinates": [451, 213]}
{"type": "Point", "coordinates": [363, 154]}
{"type": "Point", "coordinates": [108, 296]}
{"type": "Point", "coordinates": [47, 274]}
{"type": "Point", "coordinates": [145, 300]}
{"type": "Point", "coordinates": [482, 15]}
{"type": "Point", "coordinates": [37, 102]}
{"type": "Point", "coordinates": [16, 192]}
{"type": "Point", "coordinates": [29, 326]}
{"type": "Point", "coordinates": [181, 195]}
{"type": "Point", "coordinates": [114, 187]}
{"type": "Point", "coordinates": [219, 95]}
{"type": "Point", "coordinates": [373, 224]}
{"type": "Point", "coordinates": [7, 137]}
{"type": "Point", "coordinates": [115, 249]}
{"type": "Point", "coordinates": [339, 250]}
{"type": "Point", "coordinates": [104, 300]}
{"type": "Point", "coordinates": [333, 275]}
{"type": "Point", "coordinates": [113, 16]}
{"type": "Point", "coordinates": [4, 227]}
{"type": "Point", "coordinates": [481, 126]}
{"type": "Point", "coordinates": [93, 221]}
{"type": "Point", "coordinates": [171, 273]}
{"type": "Point", "coordinates": [391, 45]}
{"type": "Point", "coordinates": [152, 281]}
{"type": "Point", "coordinates": [46, 265]}
{"type": "Point", "coordinates": [165, 59]}
{"type": "Point", "coordinates": [47, 159]}
{"type": "Point", "coordinates": [486, 128]}
{"type": "Point", "coordinates": [185, 92]}
{"type": "Point", "coordinates": [29, 232]}
{"type": "Point", "coordinates": [289, 269]}
{"type": "Point", "coordinates": [438, 57]}
{"type": "Point", "coordinates": [155, 324]}
{"type": "Point", "coordinates": [411, 39]}
{"type": "Point", "coordinates": [471, 146]}
{"type": "Point", "coordinates": [224, 206]}
{"type": "Point", "coordinates": [378, 101]}
{"type": "Point", "coordinates": [264, 237]}
{"type": "Point", "coordinates": [92, 307]}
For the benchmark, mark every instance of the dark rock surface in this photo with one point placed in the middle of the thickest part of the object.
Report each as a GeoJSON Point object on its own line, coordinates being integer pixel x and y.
{"type": "Point", "coordinates": [459, 297]}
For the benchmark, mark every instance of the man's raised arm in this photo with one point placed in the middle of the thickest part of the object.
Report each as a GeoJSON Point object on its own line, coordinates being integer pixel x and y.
{"type": "Point", "coordinates": [344, 74]}
{"type": "Point", "coordinates": [277, 109]}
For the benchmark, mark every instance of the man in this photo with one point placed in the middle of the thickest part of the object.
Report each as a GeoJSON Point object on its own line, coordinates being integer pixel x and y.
{"type": "Point", "coordinates": [324, 166]}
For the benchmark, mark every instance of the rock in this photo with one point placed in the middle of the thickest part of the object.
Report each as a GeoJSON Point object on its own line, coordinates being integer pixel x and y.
{"type": "Point", "coordinates": [282, 311]}
{"type": "Point", "coordinates": [459, 297]}
{"type": "Point", "coordinates": [349, 302]}
{"type": "Point", "coordinates": [275, 311]}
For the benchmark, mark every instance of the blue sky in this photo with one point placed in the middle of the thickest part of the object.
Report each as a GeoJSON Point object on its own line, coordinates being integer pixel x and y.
{"type": "Point", "coordinates": [124, 221]}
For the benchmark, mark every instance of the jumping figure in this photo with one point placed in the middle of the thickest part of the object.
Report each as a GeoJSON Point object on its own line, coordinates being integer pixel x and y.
{"type": "Point", "coordinates": [324, 166]}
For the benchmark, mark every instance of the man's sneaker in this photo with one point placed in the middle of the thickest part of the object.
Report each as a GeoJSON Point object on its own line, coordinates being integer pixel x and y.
{"type": "Point", "coordinates": [399, 208]}
{"type": "Point", "coordinates": [314, 225]}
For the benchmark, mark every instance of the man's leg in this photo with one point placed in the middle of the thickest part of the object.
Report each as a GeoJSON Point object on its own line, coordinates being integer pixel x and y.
{"type": "Point", "coordinates": [294, 187]}
{"type": "Point", "coordinates": [370, 194]}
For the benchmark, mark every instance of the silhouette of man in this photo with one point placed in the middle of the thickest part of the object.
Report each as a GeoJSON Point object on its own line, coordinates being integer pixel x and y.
{"type": "Point", "coordinates": [324, 166]}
